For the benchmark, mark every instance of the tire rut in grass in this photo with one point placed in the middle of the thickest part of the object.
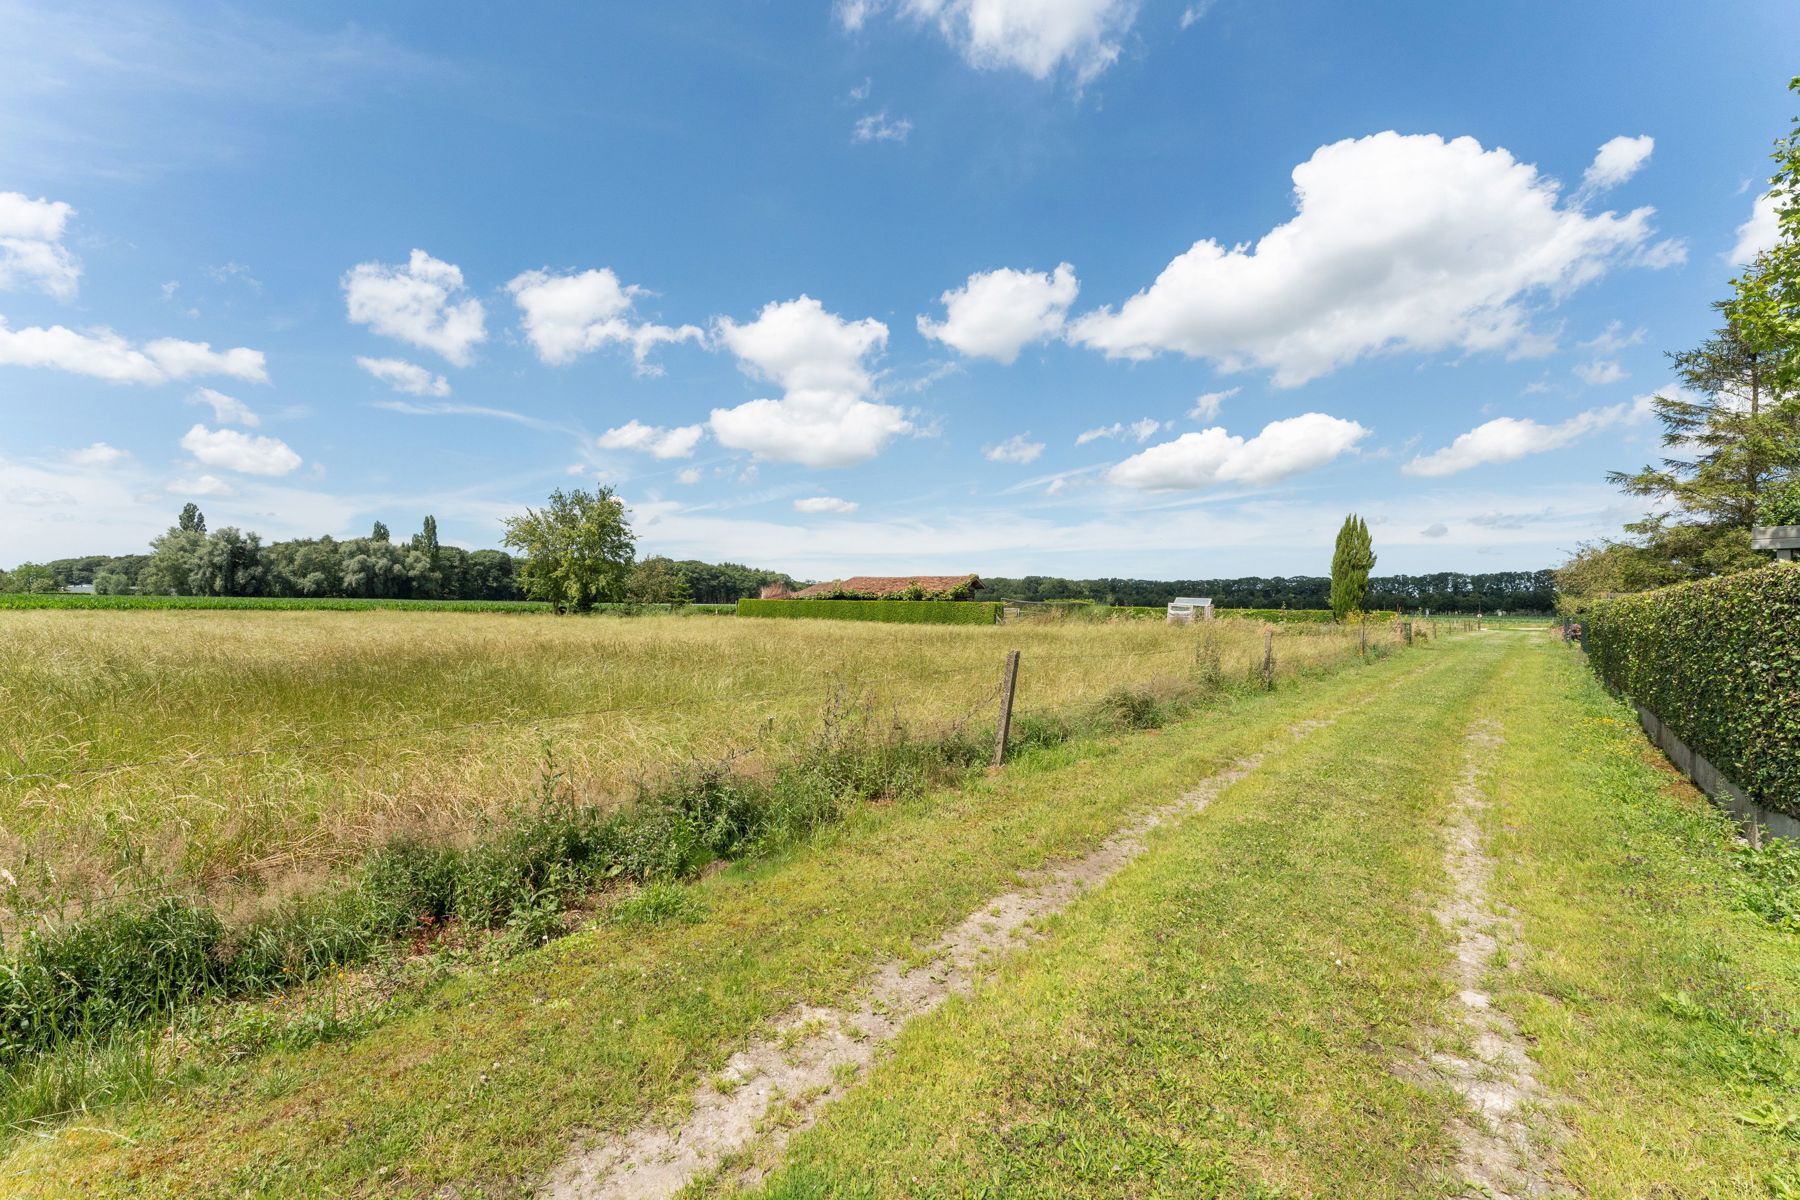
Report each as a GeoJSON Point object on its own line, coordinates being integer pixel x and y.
{"type": "Point", "coordinates": [778, 1084]}
{"type": "Point", "coordinates": [1500, 1140]}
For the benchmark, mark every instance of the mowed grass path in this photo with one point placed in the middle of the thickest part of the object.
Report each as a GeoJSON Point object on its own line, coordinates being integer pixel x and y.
{"type": "Point", "coordinates": [1239, 1013]}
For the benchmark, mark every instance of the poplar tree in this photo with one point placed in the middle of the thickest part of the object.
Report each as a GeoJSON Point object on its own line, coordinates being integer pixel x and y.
{"type": "Point", "coordinates": [1351, 563]}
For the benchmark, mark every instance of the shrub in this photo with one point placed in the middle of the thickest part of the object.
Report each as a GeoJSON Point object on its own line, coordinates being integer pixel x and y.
{"type": "Point", "coordinates": [905, 612]}
{"type": "Point", "coordinates": [1132, 708]}
{"type": "Point", "coordinates": [1719, 662]}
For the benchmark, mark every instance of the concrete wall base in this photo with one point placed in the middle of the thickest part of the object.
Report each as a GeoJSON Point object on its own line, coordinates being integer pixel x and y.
{"type": "Point", "coordinates": [1709, 779]}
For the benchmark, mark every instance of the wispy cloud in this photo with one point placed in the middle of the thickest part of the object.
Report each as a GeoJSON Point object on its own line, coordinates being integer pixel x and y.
{"type": "Point", "coordinates": [411, 409]}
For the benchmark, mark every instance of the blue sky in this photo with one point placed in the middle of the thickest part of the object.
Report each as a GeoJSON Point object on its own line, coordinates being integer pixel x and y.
{"type": "Point", "coordinates": [1083, 287]}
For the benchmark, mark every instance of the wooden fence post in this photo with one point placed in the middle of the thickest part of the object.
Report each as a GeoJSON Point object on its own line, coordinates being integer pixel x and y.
{"type": "Point", "coordinates": [1365, 637]}
{"type": "Point", "coordinates": [1007, 684]}
{"type": "Point", "coordinates": [1268, 670]}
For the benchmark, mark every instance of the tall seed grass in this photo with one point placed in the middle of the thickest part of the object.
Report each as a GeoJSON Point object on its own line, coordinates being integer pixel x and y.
{"type": "Point", "coordinates": [254, 753]}
{"type": "Point", "coordinates": [84, 1004]}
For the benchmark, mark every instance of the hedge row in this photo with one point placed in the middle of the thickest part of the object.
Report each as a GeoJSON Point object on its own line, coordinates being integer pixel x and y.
{"type": "Point", "coordinates": [1719, 662]}
{"type": "Point", "coordinates": [1293, 616]}
{"type": "Point", "coordinates": [1279, 616]}
{"type": "Point", "coordinates": [904, 612]}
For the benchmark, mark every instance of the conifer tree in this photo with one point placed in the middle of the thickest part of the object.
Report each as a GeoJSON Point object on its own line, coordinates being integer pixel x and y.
{"type": "Point", "coordinates": [1350, 567]}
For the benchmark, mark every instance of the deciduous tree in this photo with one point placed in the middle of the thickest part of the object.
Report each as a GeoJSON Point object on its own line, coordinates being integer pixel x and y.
{"type": "Point", "coordinates": [578, 548]}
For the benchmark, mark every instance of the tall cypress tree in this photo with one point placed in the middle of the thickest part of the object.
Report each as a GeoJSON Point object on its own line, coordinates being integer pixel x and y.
{"type": "Point", "coordinates": [1351, 563]}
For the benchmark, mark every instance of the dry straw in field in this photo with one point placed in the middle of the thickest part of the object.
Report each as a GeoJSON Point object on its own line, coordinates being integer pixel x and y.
{"type": "Point", "coordinates": [257, 747]}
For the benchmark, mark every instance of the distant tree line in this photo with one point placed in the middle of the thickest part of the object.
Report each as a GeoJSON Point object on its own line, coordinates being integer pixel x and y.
{"type": "Point", "coordinates": [190, 560]}
{"type": "Point", "coordinates": [1444, 591]}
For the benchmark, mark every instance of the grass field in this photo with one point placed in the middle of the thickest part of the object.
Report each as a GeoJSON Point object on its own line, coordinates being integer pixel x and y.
{"type": "Point", "coordinates": [80, 600]}
{"type": "Point", "coordinates": [253, 750]}
{"type": "Point", "coordinates": [18, 601]}
{"type": "Point", "coordinates": [1243, 1011]}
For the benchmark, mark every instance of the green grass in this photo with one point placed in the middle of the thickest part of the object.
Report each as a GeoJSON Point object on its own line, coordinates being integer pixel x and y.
{"type": "Point", "coordinates": [482, 1080]}
{"type": "Point", "coordinates": [1230, 1018]}
{"type": "Point", "coordinates": [1237, 1014]}
{"type": "Point", "coordinates": [78, 600]}
{"type": "Point", "coordinates": [248, 752]}
{"type": "Point", "coordinates": [1225, 1019]}
{"type": "Point", "coordinates": [148, 959]}
{"type": "Point", "coordinates": [1659, 986]}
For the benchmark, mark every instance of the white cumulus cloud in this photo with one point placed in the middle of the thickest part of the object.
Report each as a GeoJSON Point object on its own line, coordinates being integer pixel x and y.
{"type": "Point", "coordinates": [1207, 404]}
{"type": "Point", "coordinates": [1757, 234]}
{"type": "Point", "coordinates": [103, 354]}
{"type": "Point", "coordinates": [1613, 338]}
{"type": "Point", "coordinates": [825, 504]}
{"type": "Point", "coordinates": [31, 249]}
{"type": "Point", "coordinates": [236, 451]}
{"type": "Point", "coordinates": [1507, 439]}
{"type": "Point", "coordinates": [403, 376]}
{"type": "Point", "coordinates": [653, 440]}
{"type": "Point", "coordinates": [226, 410]}
{"type": "Point", "coordinates": [824, 417]}
{"type": "Point", "coordinates": [1213, 456]}
{"type": "Point", "coordinates": [1600, 372]}
{"type": "Point", "coordinates": [200, 485]}
{"type": "Point", "coordinates": [97, 455]}
{"type": "Point", "coordinates": [1019, 448]}
{"type": "Point", "coordinates": [1399, 242]}
{"type": "Point", "coordinates": [422, 302]}
{"type": "Point", "coordinates": [1140, 431]}
{"type": "Point", "coordinates": [567, 316]}
{"type": "Point", "coordinates": [1618, 160]}
{"type": "Point", "coordinates": [879, 127]}
{"type": "Point", "coordinates": [1037, 37]}
{"type": "Point", "coordinates": [997, 313]}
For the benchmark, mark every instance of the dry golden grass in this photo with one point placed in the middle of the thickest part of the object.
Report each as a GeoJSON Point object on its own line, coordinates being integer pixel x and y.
{"type": "Point", "coordinates": [262, 746]}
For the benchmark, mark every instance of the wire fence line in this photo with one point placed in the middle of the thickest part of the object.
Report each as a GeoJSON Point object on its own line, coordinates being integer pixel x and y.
{"type": "Point", "coordinates": [528, 721]}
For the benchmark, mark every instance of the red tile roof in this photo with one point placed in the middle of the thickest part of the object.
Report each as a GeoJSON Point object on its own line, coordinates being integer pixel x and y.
{"type": "Point", "coordinates": [887, 585]}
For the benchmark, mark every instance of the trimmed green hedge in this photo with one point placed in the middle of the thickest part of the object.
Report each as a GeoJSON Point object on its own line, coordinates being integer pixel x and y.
{"type": "Point", "coordinates": [904, 612]}
{"type": "Point", "coordinates": [1279, 616]}
{"type": "Point", "coordinates": [1293, 616]}
{"type": "Point", "coordinates": [1719, 662]}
